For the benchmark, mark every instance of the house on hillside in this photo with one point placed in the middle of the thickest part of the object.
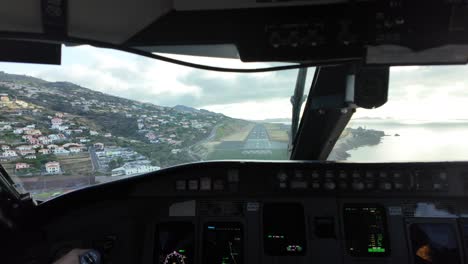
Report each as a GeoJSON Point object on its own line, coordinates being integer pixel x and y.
{"type": "Point", "coordinates": [37, 146]}
{"type": "Point", "coordinates": [52, 146]}
{"type": "Point", "coordinates": [176, 151]}
{"type": "Point", "coordinates": [44, 140]}
{"type": "Point", "coordinates": [21, 103]}
{"type": "Point", "coordinates": [18, 131]}
{"type": "Point", "coordinates": [27, 152]}
{"type": "Point", "coordinates": [53, 137]}
{"type": "Point", "coordinates": [56, 122]}
{"type": "Point", "coordinates": [5, 147]}
{"type": "Point", "coordinates": [34, 132]}
{"type": "Point", "coordinates": [134, 168]}
{"type": "Point", "coordinates": [60, 151]}
{"type": "Point", "coordinates": [30, 156]}
{"type": "Point", "coordinates": [52, 167]}
{"type": "Point", "coordinates": [99, 146]}
{"type": "Point", "coordinates": [68, 145]}
{"type": "Point", "coordinates": [4, 97]}
{"type": "Point", "coordinates": [62, 128]}
{"type": "Point", "coordinates": [44, 151]}
{"type": "Point", "coordinates": [6, 127]}
{"type": "Point", "coordinates": [24, 147]}
{"type": "Point", "coordinates": [22, 165]}
{"type": "Point", "coordinates": [75, 149]}
{"type": "Point", "coordinates": [9, 154]}
{"type": "Point", "coordinates": [93, 133]}
{"type": "Point", "coordinates": [33, 141]}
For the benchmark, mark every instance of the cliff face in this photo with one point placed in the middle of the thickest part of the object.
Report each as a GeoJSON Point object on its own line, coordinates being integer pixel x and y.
{"type": "Point", "coordinates": [354, 138]}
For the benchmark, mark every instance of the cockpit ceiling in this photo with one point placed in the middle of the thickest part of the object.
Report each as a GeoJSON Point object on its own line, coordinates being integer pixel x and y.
{"type": "Point", "coordinates": [115, 21]}
{"type": "Point", "coordinates": [112, 21]}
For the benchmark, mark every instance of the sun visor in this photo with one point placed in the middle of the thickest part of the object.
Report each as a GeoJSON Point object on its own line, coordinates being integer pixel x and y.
{"type": "Point", "coordinates": [30, 52]}
{"type": "Point", "coordinates": [397, 55]}
{"type": "Point", "coordinates": [20, 16]}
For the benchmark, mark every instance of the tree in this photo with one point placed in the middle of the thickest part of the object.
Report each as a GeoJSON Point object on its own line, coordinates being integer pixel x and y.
{"type": "Point", "coordinates": [113, 164]}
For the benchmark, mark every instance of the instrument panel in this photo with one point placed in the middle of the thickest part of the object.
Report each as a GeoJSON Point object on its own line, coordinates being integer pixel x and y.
{"type": "Point", "coordinates": [269, 212]}
{"type": "Point", "coordinates": [318, 179]}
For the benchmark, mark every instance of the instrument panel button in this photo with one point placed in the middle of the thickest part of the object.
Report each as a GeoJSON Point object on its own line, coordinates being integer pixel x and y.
{"type": "Point", "coordinates": [193, 185]}
{"type": "Point", "coordinates": [181, 185]}
{"type": "Point", "coordinates": [358, 186]}
{"type": "Point", "coordinates": [330, 185]}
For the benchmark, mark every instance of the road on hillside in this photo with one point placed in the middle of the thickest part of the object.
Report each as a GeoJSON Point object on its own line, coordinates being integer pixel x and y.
{"type": "Point", "coordinates": [94, 159]}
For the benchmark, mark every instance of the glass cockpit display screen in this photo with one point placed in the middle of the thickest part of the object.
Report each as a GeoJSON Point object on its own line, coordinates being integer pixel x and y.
{"type": "Point", "coordinates": [284, 231]}
{"type": "Point", "coordinates": [175, 242]}
{"type": "Point", "coordinates": [223, 243]}
{"type": "Point", "coordinates": [365, 228]}
{"type": "Point", "coordinates": [434, 243]}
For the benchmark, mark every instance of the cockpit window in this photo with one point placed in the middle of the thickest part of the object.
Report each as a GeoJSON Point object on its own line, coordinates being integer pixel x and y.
{"type": "Point", "coordinates": [425, 119]}
{"type": "Point", "coordinates": [105, 115]}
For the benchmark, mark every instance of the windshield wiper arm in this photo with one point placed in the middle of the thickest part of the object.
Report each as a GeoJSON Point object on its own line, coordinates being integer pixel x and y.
{"type": "Point", "coordinates": [297, 100]}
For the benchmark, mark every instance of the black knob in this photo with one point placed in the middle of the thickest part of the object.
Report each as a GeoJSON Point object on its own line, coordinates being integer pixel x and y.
{"type": "Point", "coordinates": [90, 257]}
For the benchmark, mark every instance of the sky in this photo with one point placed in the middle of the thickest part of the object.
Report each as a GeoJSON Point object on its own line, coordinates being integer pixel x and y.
{"type": "Point", "coordinates": [417, 93]}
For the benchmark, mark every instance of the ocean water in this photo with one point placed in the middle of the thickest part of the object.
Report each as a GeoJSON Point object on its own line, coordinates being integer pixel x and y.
{"type": "Point", "coordinates": [431, 142]}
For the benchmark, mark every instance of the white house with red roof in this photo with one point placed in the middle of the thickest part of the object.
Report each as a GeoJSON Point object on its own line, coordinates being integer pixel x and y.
{"type": "Point", "coordinates": [52, 167]}
{"type": "Point", "coordinates": [22, 165]}
{"type": "Point", "coordinates": [56, 121]}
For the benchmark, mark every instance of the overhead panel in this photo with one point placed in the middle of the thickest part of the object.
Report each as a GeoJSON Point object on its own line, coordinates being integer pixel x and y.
{"type": "Point", "coordinates": [20, 16]}
{"type": "Point", "coordinates": [113, 21]}
{"type": "Point", "coordinates": [186, 5]}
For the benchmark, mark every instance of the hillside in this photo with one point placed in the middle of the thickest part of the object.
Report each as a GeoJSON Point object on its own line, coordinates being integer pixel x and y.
{"type": "Point", "coordinates": [162, 135]}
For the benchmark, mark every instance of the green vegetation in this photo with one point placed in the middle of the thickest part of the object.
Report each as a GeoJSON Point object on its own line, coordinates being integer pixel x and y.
{"type": "Point", "coordinates": [228, 128]}
{"type": "Point", "coordinates": [277, 132]}
{"type": "Point", "coordinates": [115, 163]}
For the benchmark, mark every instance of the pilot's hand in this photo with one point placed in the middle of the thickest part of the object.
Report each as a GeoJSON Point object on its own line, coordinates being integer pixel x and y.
{"type": "Point", "coordinates": [72, 257]}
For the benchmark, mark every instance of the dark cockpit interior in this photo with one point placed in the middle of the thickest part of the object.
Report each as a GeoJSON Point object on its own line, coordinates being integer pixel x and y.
{"type": "Point", "coordinates": [303, 210]}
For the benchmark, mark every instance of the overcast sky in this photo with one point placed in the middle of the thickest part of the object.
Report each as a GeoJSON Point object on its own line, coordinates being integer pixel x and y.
{"type": "Point", "coordinates": [416, 93]}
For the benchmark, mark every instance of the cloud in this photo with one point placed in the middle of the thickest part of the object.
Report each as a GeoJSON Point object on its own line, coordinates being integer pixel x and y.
{"type": "Point", "coordinates": [417, 92]}
{"type": "Point", "coordinates": [161, 83]}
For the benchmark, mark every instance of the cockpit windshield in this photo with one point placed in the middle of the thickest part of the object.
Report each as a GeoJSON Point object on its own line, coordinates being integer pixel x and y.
{"type": "Point", "coordinates": [425, 119]}
{"type": "Point", "coordinates": [105, 115]}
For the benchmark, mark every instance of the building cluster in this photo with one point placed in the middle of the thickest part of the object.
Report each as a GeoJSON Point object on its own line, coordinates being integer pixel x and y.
{"type": "Point", "coordinates": [132, 162]}
{"type": "Point", "coordinates": [134, 168]}
{"type": "Point", "coordinates": [173, 128]}
{"type": "Point", "coordinates": [60, 133]}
